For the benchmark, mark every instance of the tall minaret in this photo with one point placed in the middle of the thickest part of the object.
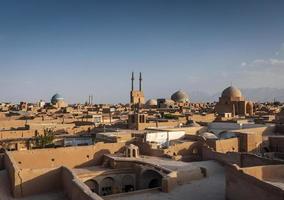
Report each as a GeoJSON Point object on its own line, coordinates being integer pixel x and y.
{"type": "Point", "coordinates": [132, 82]}
{"type": "Point", "coordinates": [140, 82]}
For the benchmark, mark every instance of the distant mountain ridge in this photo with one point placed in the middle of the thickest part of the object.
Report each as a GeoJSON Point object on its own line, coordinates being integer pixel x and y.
{"type": "Point", "coordinates": [264, 94]}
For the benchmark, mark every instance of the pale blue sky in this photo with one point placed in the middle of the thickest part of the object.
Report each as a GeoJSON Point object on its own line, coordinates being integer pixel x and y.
{"type": "Point", "coordinates": [77, 48]}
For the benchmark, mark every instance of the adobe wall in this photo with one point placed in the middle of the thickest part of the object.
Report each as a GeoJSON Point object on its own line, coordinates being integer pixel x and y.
{"type": "Point", "coordinates": [248, 160]}
{"type": "Point", "coordinates": [186, 148]}
{"type": "Point", "coordinates": [224, 146]}
{"type": "Point", "coordinates": [203, 118]}
{"type": "Point", "coordinates": [13, 171]}
{"type": "Point", "coordinates": [266, 172]}
{"type": "Point", "coordinates": [241, 186]}
{"type": "Point", "coordinates": [263, 130]}
{"type": "Point", "coordinates": [74, 189]}
{"type": "Point", "coordinates": [71, 157]}
{"type": "Point", "coordinates": [145, 149]}
{"type": "Point", "coordinates": [36, 181]}
{"type": "Point", "coordinates": [18, 134]}
{"type": "Point", "coordinates": [10, 122]}
{"type": "Point", "coordinates": [190, 148]}
{"type": "Point", "coordinates": [250, 142]}
{"type": "Point", "coordinates": [241, 159]}
{"type": "Point", "coordinates": [26, 182]}
{"type": "Point", "coordinates": [226, 158]}
{"type": "Point", "coordinates": [14, 134]}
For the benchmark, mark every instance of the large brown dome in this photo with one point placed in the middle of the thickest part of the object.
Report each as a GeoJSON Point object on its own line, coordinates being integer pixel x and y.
{"type": "Point", "coordinates": [231, 92]}
{"type": "Point", "coordinates": [151, 102]}
{"type": "Point", "coordinates": [180, 96]}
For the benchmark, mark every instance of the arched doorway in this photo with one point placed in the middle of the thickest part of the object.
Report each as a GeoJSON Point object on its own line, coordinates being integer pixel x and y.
{"type": "Point", "coordinates": [128, 183]}
{"type": "Point", "coordinates": [93, 185]}
{"type": "Point", "coordinates": [107, 185]}
{"type": "Point", "coordinates": [154, 183]}
{"type": "Point", "coordinates": [150, 179]}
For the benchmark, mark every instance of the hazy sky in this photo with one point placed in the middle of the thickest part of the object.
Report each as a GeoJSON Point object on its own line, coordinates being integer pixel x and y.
{"type": "Point", "coordinates": [77, 48]}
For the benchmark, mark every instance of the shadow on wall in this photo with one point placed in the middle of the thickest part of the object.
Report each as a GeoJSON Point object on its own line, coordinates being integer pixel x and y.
{"type": "Point", "coordinates": [2, 165]}
{"type": "Point", "coordinates": [38, 181]}
{"type": "Point", "coordinates": [150, 179]}
{"type": "Point", "coordinates": [59, 179]}
{"type": "Point", "coordinates": [97, 158]}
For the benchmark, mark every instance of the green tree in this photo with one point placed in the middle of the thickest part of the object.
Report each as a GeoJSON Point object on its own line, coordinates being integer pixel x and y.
{"type": "Point", "coordinates": [46, 139]}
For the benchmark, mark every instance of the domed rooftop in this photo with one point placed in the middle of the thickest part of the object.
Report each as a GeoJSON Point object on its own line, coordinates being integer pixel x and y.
{"type": "Point", "coordinates": [180, 96]}
{"type": "Point", "coordinates": [227, 135]}
{"type": "Point", "coordinates": [208, 135]}
{"type": "Point", "coordinates": [231, 92]}
{"type": "Point", "coordinates": [55, 98]}
{"type": "Point", "coordinates": [151, 102]}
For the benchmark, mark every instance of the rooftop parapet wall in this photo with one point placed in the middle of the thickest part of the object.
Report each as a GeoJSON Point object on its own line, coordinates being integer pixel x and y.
{"type": "Point", "coordinates": [240, 185]}
{"type": "Point", "coordinates": [30, 181]}
{"type": "Point", "coordinates": [266, 172]}
{"type": "Point", "coordinates": [25, 182]}
{"type": "Point", "coordinates": [223, 146]}
{"type": "Point", "coordinates": [241, 159]}
{"type": "Point", "coordinates": [36, 181]}
{"type": "Point", "coordinates": [72, 157]}
{"type": "Point", "coordinates": [263, 130]}
{"type": "Point", "coordinates": [15, 134]}
{"type": "Point", "coordinates": [13, 171]}
{"type": "Point", "coordinates": [18, 134]}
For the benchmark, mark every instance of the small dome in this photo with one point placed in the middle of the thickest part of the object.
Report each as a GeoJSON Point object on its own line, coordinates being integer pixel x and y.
{"type": "Point", "coordinates": [227, 135]}
{"type": "Point", "coordinates": [151, 102]}
{"type": "Point", "coordinates": [55, 98]}
{"type": "Point", "coordinates": [180, 97]}
{"type": "Point", "coordinates": [231, 92]}
{"type": "Point", "coordinates": [208, 135]}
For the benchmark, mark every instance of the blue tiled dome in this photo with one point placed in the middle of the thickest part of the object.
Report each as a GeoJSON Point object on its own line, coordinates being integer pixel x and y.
{"type": "Point", "coordinates": [55, 98]}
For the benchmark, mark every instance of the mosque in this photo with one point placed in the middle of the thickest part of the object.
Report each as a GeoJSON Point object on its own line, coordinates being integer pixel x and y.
{"type": "Point", "coordinates": [178, 98]}
{"type": "Point", "coordinates": [136, 96]}
{"type": "Point", "coordinates": [232, 103]}
{"type": "Point", "coordinates": [58, 101]}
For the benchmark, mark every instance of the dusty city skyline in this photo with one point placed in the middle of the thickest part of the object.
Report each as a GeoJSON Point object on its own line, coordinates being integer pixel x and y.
{"type": "Point", "coordinates": [141, 99]}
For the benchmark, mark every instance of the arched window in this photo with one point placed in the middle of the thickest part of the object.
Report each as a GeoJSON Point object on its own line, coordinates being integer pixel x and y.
{"type": "Point", "coordinates": [93, 185]}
